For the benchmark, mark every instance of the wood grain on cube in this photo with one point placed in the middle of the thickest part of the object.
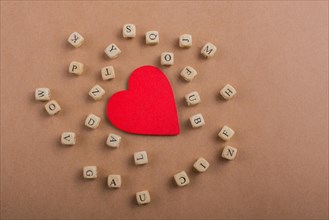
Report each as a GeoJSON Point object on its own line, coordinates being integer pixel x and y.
{"type": "Point", "coordinates": [76, 68]}
{"type": "Point", "coordinates": [143, 197]}
{"type": "Point", "coordinates": [197, 121]}
{"type": "Point", "coordinates": [226, 133]}
{"type": "Point", "coordinates": [90, 172]}
{"type": "Point", "coordinates": [228, 92]}
{"type": "Point", "coordinates": [108, 73]}
{"type": "Point", "coordinates": [114, 181]}
{"type": "Point", "coordinates": [188, 73]}
{"type": "Point", "coordinates": [201, 165]}
{"type": "Point", "coordinates": [208, 50]}
{"type": "Point", "coordinates": [112, 51]}
{"type": "Point", "coordinates": [76, 39]}
{"type": "Point", "coordinates": [68, 138]}
{"type": "Point", "coordinates": [229, 152]}
{"type": "Point", "coordinates": [185, 40]}
{"type": "Point", "coordinates": [113, 140]}
{"type": "Point", "coordinates": [92, 121]}
{"type": "Point", "coordinates": [42, 94]}
{"type": "Point", "coordinates": [96, 92]}
{"type": "Point", "coordinates": [167, 59]}
{"type": "Point", "coordinates": [192, 98]}
{"type": "Point", "coordinates": [140, 158]}
{"type": "Point", "coordinates": [52, 107]}
{"type": "Point", "coordinates": [181, 179]}
{"type": "Point", "coordinates": [152, 37]}
{"type": "Point", "coordinates": [129, 31]}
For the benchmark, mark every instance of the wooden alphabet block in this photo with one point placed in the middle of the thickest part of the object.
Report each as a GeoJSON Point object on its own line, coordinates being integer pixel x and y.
{"type": "Point", "coordinates": [143, 197]}
{"type": "Point", "coordinates": [92, 121]}
{"type": "Point", "coordinates": [181, 179]}
{"type": "Point", "coordinates": [129, 31]}
{"type": "Point", "coordinates": [112, 51]}
{"type": "Point", "coordinates": [75, 39]}
{"type": "Point", "coordinates": [140, 158]}
{"type": "Point", "coordinates": [185, 41]}
{"type": "Point", "coordinates": [152, 37]}
{"type": "Point", "coordinates": [42, 94]}
{"type": "Point", "coordinates": [52, 107]}
{"type": "Point", "coordinates": [208, 50]}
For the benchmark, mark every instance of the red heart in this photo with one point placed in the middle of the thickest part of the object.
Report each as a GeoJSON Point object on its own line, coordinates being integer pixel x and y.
{"type": "Point", "coordinates": [147, 107]}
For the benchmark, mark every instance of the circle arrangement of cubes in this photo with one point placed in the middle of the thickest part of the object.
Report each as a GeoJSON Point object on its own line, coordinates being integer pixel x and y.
{"type": "Point", "coordinates": [188, 73]}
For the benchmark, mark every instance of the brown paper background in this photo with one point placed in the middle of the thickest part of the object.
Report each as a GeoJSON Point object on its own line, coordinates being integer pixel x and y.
{"type": "Point", "coordinates": [274, 53]}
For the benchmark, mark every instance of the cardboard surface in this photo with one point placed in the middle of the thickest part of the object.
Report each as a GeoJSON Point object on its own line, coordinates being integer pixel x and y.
{"type": "Point", "coordinates": [148, 106]}
{"type": "Point", "coordinates": [274, 53]}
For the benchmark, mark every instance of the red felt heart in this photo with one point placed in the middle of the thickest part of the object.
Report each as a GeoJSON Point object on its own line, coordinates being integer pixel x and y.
{"type": "Point", "coordinates": [147, 107]}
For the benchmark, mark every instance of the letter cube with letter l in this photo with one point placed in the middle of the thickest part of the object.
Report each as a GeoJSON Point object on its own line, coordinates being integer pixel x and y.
{"type": "Point", "coordinates": [140, 158]}
{"type": "Point", "coordinates": [92, 121]}
{"type": "Point", "coordinates": [197, 121]}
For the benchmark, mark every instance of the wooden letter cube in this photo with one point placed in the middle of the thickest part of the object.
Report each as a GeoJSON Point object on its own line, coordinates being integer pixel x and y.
{"type": "Point", "coordinates": [75, 39]}
{"type": "Point", "coordinates": [114, 181]}
{"type": "Point", "coordinates": [112, 51]}
{"type": "Point", "coordinates": [90, 172]}
{"type": "Point", "coordinates": [193, 98]}
{"type": "Point", "coordinates": [226, 133]}
{"type": "Point", "coordinates": [181, 179]}
{"type": "Point", "coordinates": [229, 152]}
{"type": "Point", "coordinates": [152, 37]}
{"type": "Point", "coordinates": [76, 68]}
{"type": "Point", "coordinates": [92, 121]}
{"type": "Point", "coordinates": [113, 140]}
{"type": "Point", "coordinates": [108, 73]}
{"type": "Point", "coordinates": [96, 92]}
{"type": "Point", "coordinates": [68, 138]}
{"type": "Point", "coordinates": [167, 59]}
{"type": "Point", "coordinates": [185, 40]}
{"type": "Point", "coordinates": [52, 107]}
{"type": "Point", "coordinates": [201, 165]}
{"type": "Point", "coordinates": [228, 92]}
{"type": "Point", "coordinates": [129, 31]}
{"type": "Point", "coordinates": [143, 197]}
{"type": "Point", "coordinates": [208, 50]}
{"type": "Point", "coordinates": [188, 73]}
{"type": "Point", "coordinates": [140, 158]}
{"type": "Point", "coordinates": [197, 121]}
{"type": "Point", "coordinates": [42, 94]}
